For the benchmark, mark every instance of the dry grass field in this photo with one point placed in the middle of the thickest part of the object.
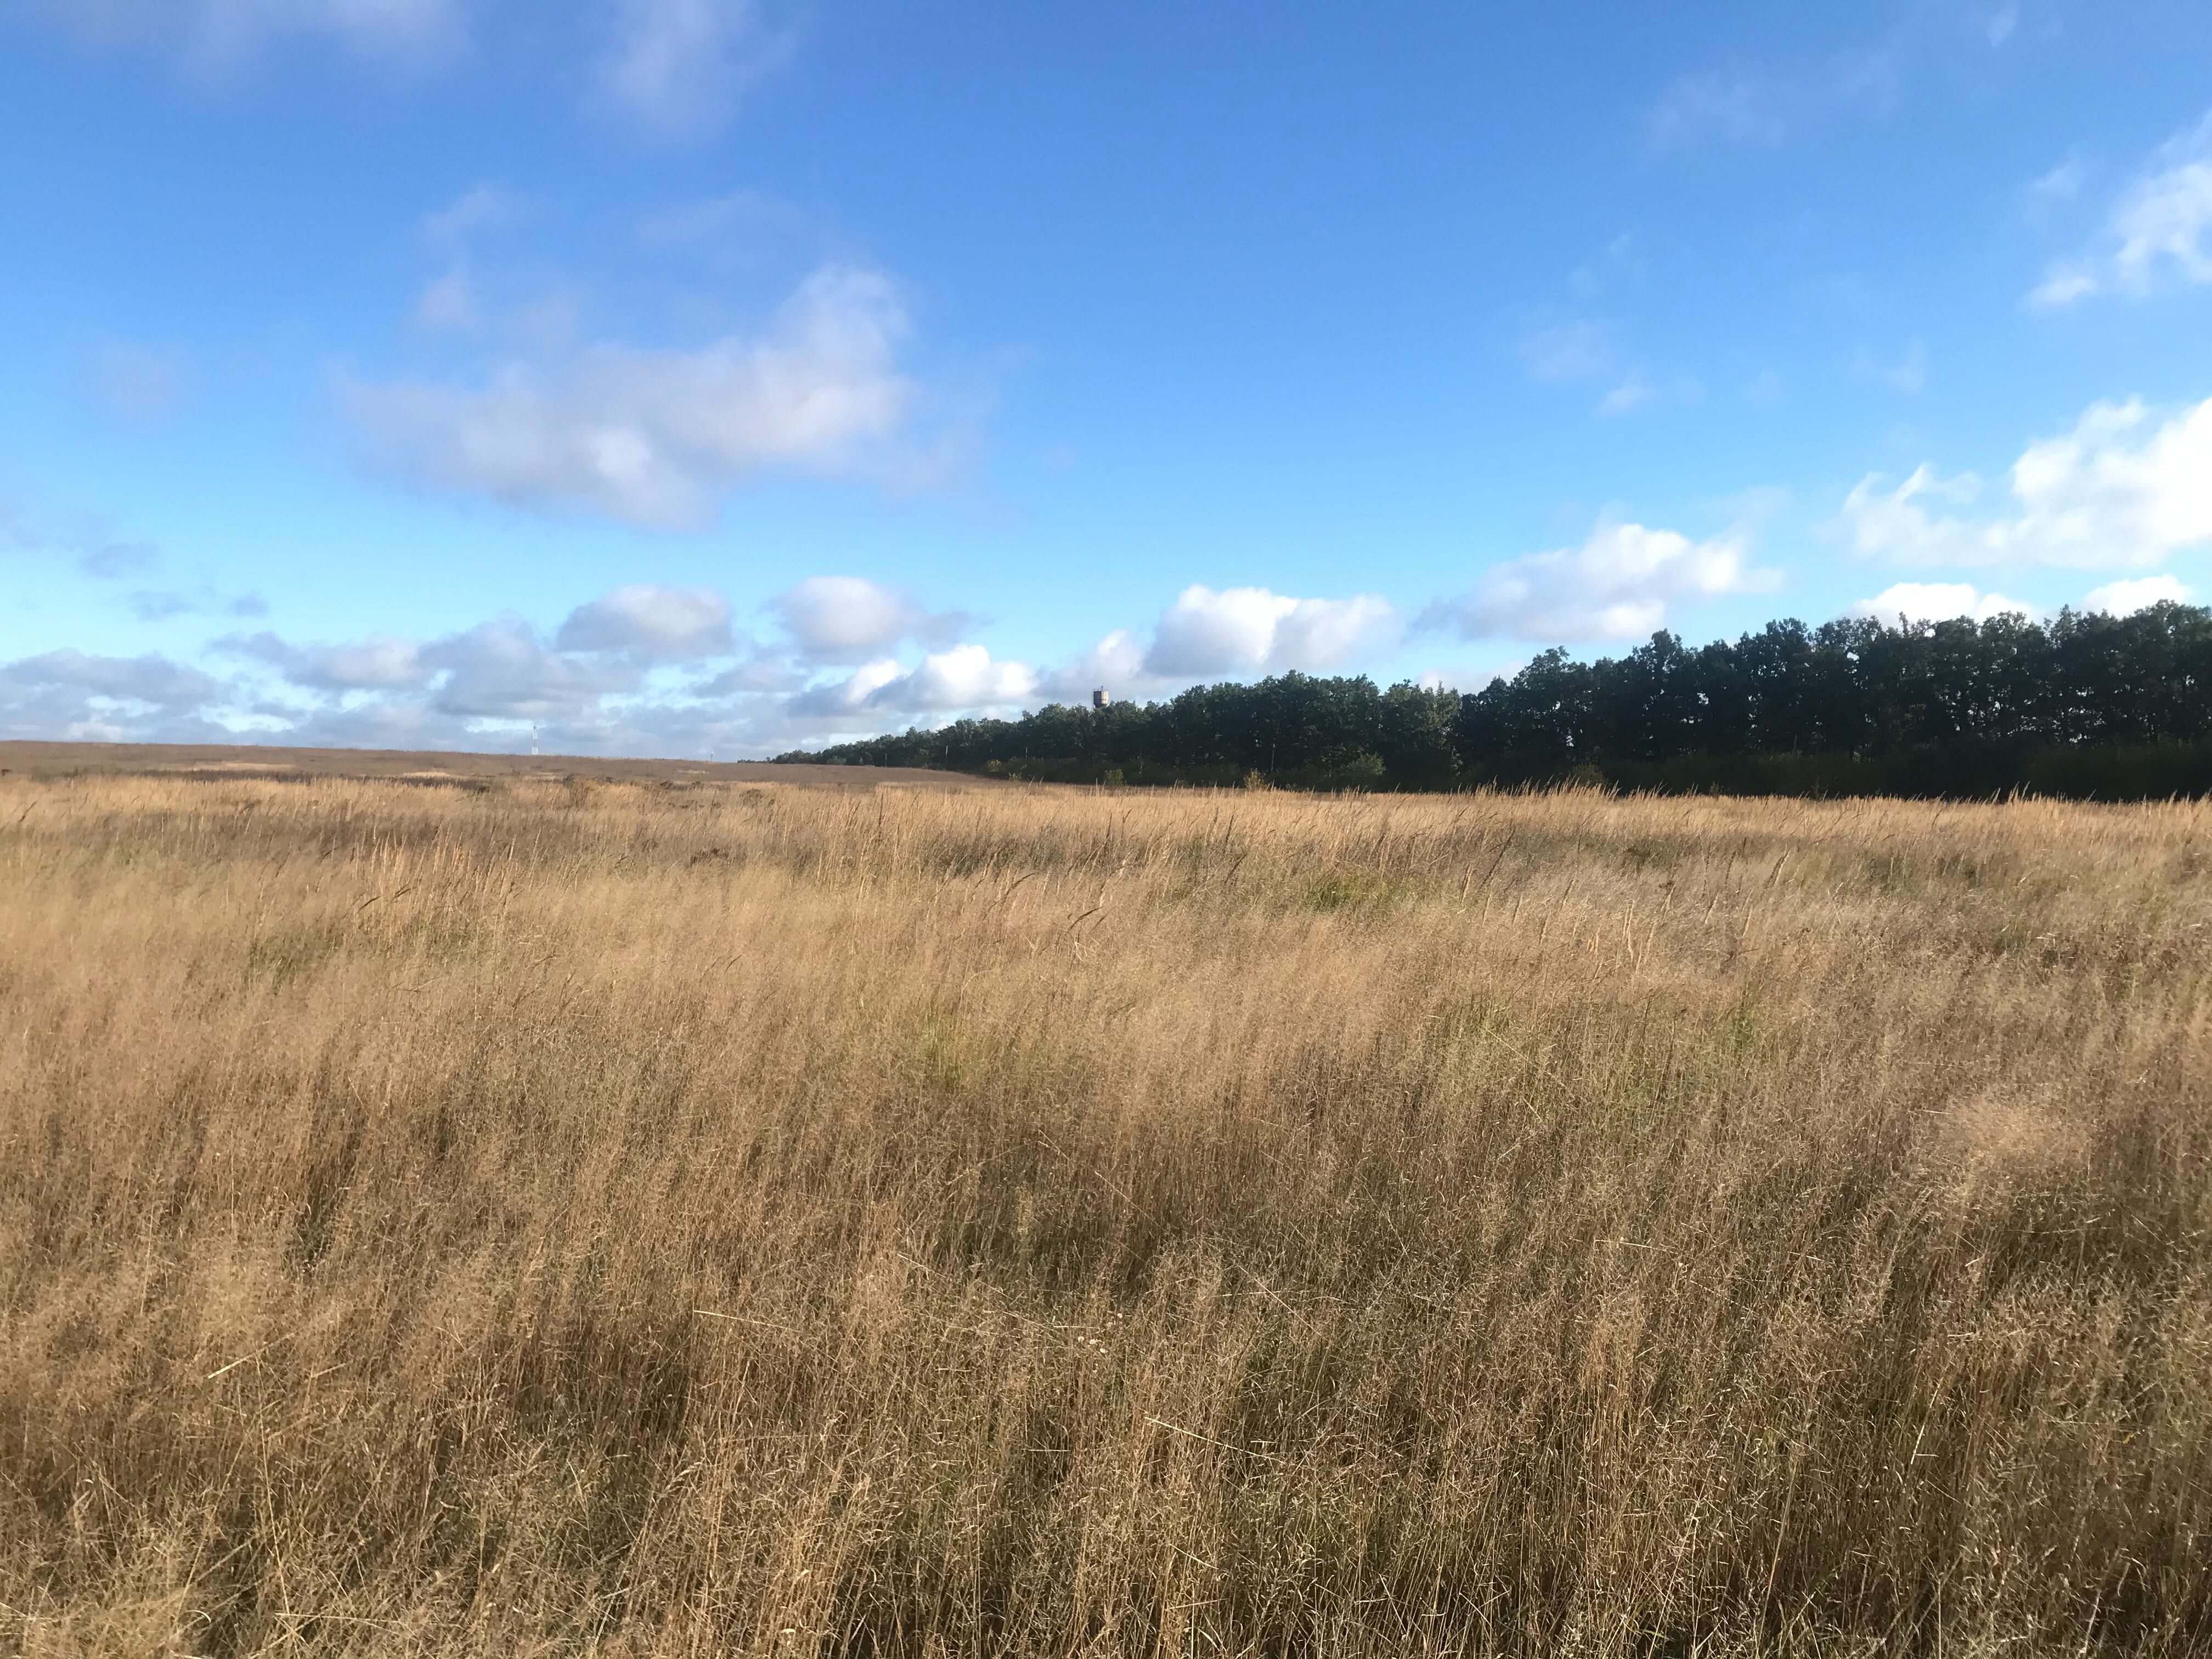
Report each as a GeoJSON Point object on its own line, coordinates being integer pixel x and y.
{"type": "Point", "coordinates": [548, 1219]}
{"type": "Point", "coordinates": [32, 759]}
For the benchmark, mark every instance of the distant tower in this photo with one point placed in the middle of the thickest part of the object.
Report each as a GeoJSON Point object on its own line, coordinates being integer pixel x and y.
{"type": "Point", "coordinates": [1101, 698]}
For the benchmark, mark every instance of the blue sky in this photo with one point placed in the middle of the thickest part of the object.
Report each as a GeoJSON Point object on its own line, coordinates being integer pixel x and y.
{"type": "Point", "coordinates": [716, 376]}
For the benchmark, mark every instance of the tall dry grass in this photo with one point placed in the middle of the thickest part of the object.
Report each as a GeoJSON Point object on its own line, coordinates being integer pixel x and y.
{"type": "Point", "coordinates": [633, 1221]}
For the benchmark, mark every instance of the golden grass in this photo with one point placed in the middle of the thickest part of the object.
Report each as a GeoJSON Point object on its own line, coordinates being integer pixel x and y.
{"type": "Point", "coordinates": [628, 1220]}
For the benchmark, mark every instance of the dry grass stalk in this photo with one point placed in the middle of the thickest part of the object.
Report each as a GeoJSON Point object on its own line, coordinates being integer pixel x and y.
{"type": "Point", "coordinates": [706, 1221]}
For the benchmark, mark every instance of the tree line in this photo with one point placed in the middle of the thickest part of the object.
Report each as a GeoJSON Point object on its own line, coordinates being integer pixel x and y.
{"type": "Point", "coordinates": [2088, 705]}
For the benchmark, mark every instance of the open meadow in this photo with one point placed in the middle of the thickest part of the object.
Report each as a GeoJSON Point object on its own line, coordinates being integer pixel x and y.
{"type": "Point", "coordinates": [530, 1217]}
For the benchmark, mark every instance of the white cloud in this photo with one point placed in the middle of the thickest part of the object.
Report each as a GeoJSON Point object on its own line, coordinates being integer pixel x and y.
{"type": "Point", "coordinates": [653, 437]}
{"type": "Point", "coordinates": [217, 36]}
{"type": "Point", "coordinates": [1630, 395]}
{"type": "Point", "coordinates": [2126, 597]}
{"type": "Point", "coordinates": [138, 382]}
{"type": "Point", "coordinates": [1740, 108]}
{"type": "Point", "coordinates": [1751, 103]}
{"type": "Point", "coordinates": [448, 302]}
{"type": "Point", "coordinates": [849, 696]}
{"type": "Point", "coordinates": [159, 604]}
{"type": "Point", "coordinates": [95, 552]}
{"type": "Point", "coordinates": [1908, 374]}
{"type": "Point", "coordinates": [2061, 184]}
{"type": "Point", "coordinates": [150, 679]}
{"type": "Point", "coordinates": [2159, 231]}
{"type": "Point", "coordinates": [1617, 584]}
{"type": "Point", "coordinates": [500, 670]}
{"type": "Point", "coordinates": [1573, 350]}
{"type": "Point", "coordinates": [850, 619]}
{"type": "Point", "coordinates": [2117, 490]}
{"type": "Point", "coordinates": [481, 207]}
{"type": "Point", "coordinates": [1937, 602]}
{"type": "Point", "coordinates": [966, 676]}
{"type": "Point", "coordinates": [1116, 664]}
{"type": "Point", "coordinates": [599, 686]}
{"type": "Point", "coordinates": [1250, 630]}
{"type": "Point", "coordinates": [654, 623]}
{"type": "Point", "coordinates": [678, 68]}
{"type": "Point", "coordinates": [377, 663]}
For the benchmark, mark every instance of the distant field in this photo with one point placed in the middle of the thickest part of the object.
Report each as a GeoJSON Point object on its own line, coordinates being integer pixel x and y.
{"type": "Point", "coordinates": [569, 1216]}
{"type": "Point", "coordinates": [55, 760]}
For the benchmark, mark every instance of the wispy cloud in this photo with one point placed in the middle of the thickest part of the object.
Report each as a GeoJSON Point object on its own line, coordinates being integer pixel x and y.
{"type": "Point", "coordinates": [1630, 395]}
{"type": "Point", "coordinates": [139, 383]}
{"type": "Point", "coordinates": [679, 69]}
{"type": "Point", "coordinates": [1906, 373]}
{"type": "Point", "coordinates": [1577, 348]}
{"type": "Point", "coordinates": [1752, 103]}
{"type": "Point", "coordinates": [1735, 106]}
{"type": "Point", "coordinates": [2063, 183]}
{"type": "Point", "coordinates": [89, 546]}
{"type": "Point", "coordinates": [2157, 235]}
{"type": "Point", "coordinates": [213, 38]}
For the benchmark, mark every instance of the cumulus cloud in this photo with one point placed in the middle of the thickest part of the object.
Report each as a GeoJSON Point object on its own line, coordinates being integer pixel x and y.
{"type": "Point", "coordinates": [2158, 235]}
{"type": "Point", "coordinates": [377, 663]}
{"type": "Point", "coordinates": [501, 669]}
{"type": "Point", "coordinates": [610, 680]}
{"type": "Point", "coordinates": [1250, 630]}
{"type": "Point", "coordinates": [214, 36]}
{"type": "Point", "coordinates": [2126, 597]}
{"type": "Point", "coordinates": [965, 676]}
{"type": "Point", "coordinates": [678, 68]}
{"type": "Point", "coordinates": [850, 619]}
{"type": "Point", "coordinates": [657, 625]}
{"type": "Point", "coordinates": [654, 437]}
{"type": "Point", "coordinates": [1116, 664]}
{"type": "Point", "coordinates": [2119, 489]}
{"type": "Point", "coordinates": [1937, 602]}
{"type": "Point", "coordinates": [151, 680]}
{"type": "Point", "coordinates": [1617, 584]}
{"type": "Point", "coordinates": [498, 670]}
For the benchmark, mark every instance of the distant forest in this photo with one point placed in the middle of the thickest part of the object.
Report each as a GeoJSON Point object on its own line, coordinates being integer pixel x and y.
{"type": "Point", "coordinates": [2090, 705]}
